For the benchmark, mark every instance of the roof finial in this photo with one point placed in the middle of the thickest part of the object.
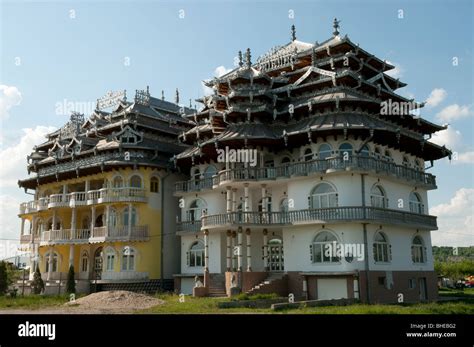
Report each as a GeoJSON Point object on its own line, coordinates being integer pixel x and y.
{"type": "Point", "coordinates": [293, 33]}
{"type": "Point", "coordinates": [313, 56]}
{"type": "Point", "coordinates": [335, 25]}
{"type": "Point", "coordinates": [190, 103]}
{"type": "Point", "coordinates": [241, 63]}
{"type": "Point", "coordinates": [177, 96]}
{"type": "Point", "coordinates": [248, 58]}
{"type": "Point", "coordinates": [162, 95]}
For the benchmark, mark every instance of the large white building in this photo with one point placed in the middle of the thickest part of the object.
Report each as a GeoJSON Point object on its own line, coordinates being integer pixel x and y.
{"type": "Point", "coordinates": [340, 165]}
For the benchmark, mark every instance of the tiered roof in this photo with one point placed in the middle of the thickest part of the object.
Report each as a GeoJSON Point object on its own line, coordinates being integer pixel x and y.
{"type": "Point", "coordinates": [139, 132]}
{"type": "Point", "coordinates": [300, 91]}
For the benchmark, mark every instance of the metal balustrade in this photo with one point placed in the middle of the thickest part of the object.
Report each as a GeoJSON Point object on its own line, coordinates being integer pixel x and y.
{"type": "Point", "coordinates": [318, 166]}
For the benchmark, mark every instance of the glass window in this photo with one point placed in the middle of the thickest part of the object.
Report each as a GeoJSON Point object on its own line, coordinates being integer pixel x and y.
{"type": "Point", "coordinates": [364, 152]}
{"type": "Point", "coordinates": [345, 149]}
{"type": "Point", "coordinates": [323, 196]}
{"type": "Point", "coordinates": [196, 254]}
{"type": "Point", "coordinates": [195, 210]}
{"type": "Point", "coordinates": [128, 259]}
{"type": "Point", "coordinates": [323, 248]}
{"type": "Point", "coordinates": [85, 262]}
{"type": "Point", "coordinates": [54, 264]}
{"type": "Point", "coordinates": [324, 151]}
{"type": "Point", "coordinates": [154, 185]}
{"type": "Point", "coordinates": [210, 171]}
{"type": "Point", "coordinates": [118, 182]}
{"type": "Point", "coordinates": [308, 154]}
{"type": "Point", "coordinates": [126, 215]}
{"type": "Point", "coordinates": [377, 197]}
{"type": "Point", "coordinates": [416, 205]}
{"type": "Point", "coordinates": [135, 181]}
{"type": "Point", "coordinates": [381, 248]}
{"type": "Point", "coordinates": [417, 250]}
{"type": "Point", "coordinates": [406, 161]}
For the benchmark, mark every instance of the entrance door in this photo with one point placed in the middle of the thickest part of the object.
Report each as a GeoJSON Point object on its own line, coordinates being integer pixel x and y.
{"type": "Point", "coordinates": [275, 255]}
{"type": "Point", "coordinates": [422, 287]}
{"type": "Point", "coordinates": [98, 260]}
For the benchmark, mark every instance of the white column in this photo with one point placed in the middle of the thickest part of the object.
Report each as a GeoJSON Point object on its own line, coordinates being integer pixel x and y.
{"type": "Point", "coordinates": [265, 249]}
{"type": "Point", "coordinates": [71, 256]}
{"type": "Point", "coordinates": [54, 219]}
{"type": "Point", "coordinates": [228, 259]}
{"type": "Point", "coordinates": [88, 186]}
{"type": "Point", "coordinates": [50, 267]}
{"type": "Point", "coordinates": [106, 223]}
{"type": "Point", "coordinates": [264, 198]}
{"type": "Point", "coordinates": [246, 200]}
{"type": "Point", "coordinates": [64, 191]}
{"type": "Point", "coordinates": [92, 220]}
{"type": "Point", "coordinates": [206, 250]}
{"type": "Point", "coordinates": [22, 226]}
{"type": "Point", "coordinates": [249, 250]}
{"type": "Point", "coordinates": [130, 207]}
{"type": "Point", "coordinates": [234, 235]}
{"type": "Point", "coordinates": [234, 200]}
{"type": "Point", "coordinates": [228, 199]}
{"type": "Point", "coordinates": [73, 222]}
{"type": "Point", "coordinates": [33, 259]}
{"type": "Point", "coordinates": [239, 254]}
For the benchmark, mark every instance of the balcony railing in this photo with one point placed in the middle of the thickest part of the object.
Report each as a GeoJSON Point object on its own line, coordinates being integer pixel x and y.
{"type": "Point", "coordinates": [98, 234]}
{"type": "Point", "coordinates": [319, 166]}
{"type": "Point", "coordinates": [320, 216]}
{"type": "Point", "coordinates": [92, 197]}
{"type": "Point", "coordinates": [188, 226]}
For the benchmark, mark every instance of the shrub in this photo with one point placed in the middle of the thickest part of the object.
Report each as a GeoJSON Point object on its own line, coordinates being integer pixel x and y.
{"type": "Point", "coordinates": [37, 286]}
{"type": "Point", "coordinates": [70, 284]}
{"type": "Point", "coordinates": [3, 278]}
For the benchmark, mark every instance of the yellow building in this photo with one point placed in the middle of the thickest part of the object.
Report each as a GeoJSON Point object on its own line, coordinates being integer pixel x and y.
{"type": "Point", "coordinates": [100, 188]}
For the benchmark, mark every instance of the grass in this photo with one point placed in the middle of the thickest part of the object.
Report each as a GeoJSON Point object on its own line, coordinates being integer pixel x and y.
{"type": "Point", "coordinates": [192, 305]}
{"type": "Point", "coordinates": [466, 293]}
{"type": "Point", "coordinates": [32, 302]}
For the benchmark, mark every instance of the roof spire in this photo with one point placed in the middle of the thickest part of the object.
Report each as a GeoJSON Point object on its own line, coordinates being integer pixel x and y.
{"type": "Point", "coordinates": [248, 58]}
{"type": "Point", "coordinates": [335, 25]}
{"type": "Point", "coordinates": [313, 56]}
{"type": "Point", "coordinates": [190, 104]}
{"type": "Point", "coordinates": [241, 63]}
{"type": "Point", "coordinates": [176, 99]}
{"type": "Point", "coordinates": [293, 33]}
{"type": "Point", "coordinates": [162, 95]}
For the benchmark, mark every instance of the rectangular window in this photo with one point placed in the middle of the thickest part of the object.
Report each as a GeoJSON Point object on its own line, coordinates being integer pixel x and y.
{"type": "Point", "coordinates": [381, 281]}
{"type": "Point", "coordinates": [84, 264]}
{"type": "Point", "coordinates": [412, 283]}
{"type": "Point", "coordinates": [110, 262]}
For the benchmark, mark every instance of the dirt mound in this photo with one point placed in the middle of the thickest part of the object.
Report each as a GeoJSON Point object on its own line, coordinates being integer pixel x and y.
{"type": "Point", "coordinates": [116, 300]}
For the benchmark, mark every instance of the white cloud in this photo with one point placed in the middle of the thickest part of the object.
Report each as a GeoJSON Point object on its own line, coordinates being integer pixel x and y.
{"type": "Point", "coordinates": [451, 138]}
{"type": "Point", "coordinates": [436, 96]}
{"type": "Point", "coordinates": [9, 97]}
{"type": "Point", "coordinates": [455, 220]}
{"type": "Point", "coordinates": [218, 72]}
{"type": "Point", "coordinates": [464, 158]}
{"type": "Point", "coordinates": [454, 112]}
{"type": "Point", "coordinates": [14, 157]}
{"type": "Point", "coordinates": [397, 71]}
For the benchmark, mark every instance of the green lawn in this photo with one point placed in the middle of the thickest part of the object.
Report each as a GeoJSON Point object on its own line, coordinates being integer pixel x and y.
{"type": "Point", "coordinates": [31, 302]}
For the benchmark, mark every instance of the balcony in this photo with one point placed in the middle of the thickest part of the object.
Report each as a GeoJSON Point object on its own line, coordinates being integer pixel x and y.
{"type": "Point", "coordinates": [320, 216]}
{"type": "Point", "coordinates": [313, 167]}
{"type": "Point", "coordinates": [92, 197]}
{"type": "Point", "coordinates": [188, 226]}
{"type": "Point", "coordinates": [98, 234]}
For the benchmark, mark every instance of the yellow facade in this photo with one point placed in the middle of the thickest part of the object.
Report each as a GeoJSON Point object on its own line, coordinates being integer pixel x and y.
{"type": "Point", "coordinates": [143, 239]}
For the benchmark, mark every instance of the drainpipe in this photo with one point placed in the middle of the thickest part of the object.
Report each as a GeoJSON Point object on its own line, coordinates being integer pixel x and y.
{"type": "Point", "coordinates": [162, 184]}
{"type": "Point", "coordinates": [366, 246]}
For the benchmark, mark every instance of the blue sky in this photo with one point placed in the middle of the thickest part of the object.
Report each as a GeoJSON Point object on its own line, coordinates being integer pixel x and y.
{"type": "Point", "coordinates": [48, 57]}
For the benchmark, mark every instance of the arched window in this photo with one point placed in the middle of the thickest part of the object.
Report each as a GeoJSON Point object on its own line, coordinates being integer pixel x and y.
{"type": "Point", "coordinates": [416, 205]}
{"type": "Point", "coordinates": [324, 247]}
{"type": "Point", "coordinates": [196, 254]}
{"type": "Point", "coordinates": [49, 224]}
{"type": "Point", "coordinates": [377, 197]}
{"type": "Point", "coordinates": [126, 216]}
{"type": "Point", "coordinates": [418, 251]}
{"type": "Point", "coordinates": [364, 151]}
{"type": "Point", "coordinates": [85, 262]}
{"type": "Point", "coordinates": [195, 210]}
{"type": "Point", "coordinates": [86, 223]}
{"type": "Point", "coordinates": [135, 181]}
{"type": "Point", "coordinates": [210, 171]}
{"type": "Point", "coordinates": [117, 182]}
{"type": "Point", "coordinates": [345, 148]}
{"type": "Point", "coordinates": [323, 196]}
{"type": "Point", "coordinates": [381, 248]}
{"type": "Point", "coordinates": [113, 217]}
{"type": "Point", "coordinates": [54, 265]}
{"type": "Point", "coordinates": [308, 154]}
{"type": "Point", "coordinates": [285, 160]}
{"type": "Point", "coordinates": [197, 174]}
{"type": "Point", "coordinates": [377, 152]}
{"type": "Point", "coordinates": [325, 151]}
{"type": "Point", "coordinates": [109, 259]}
{"type": "Point", "coordinates": [406, 161]}
{"type": "Point", "coordinates": [99, 221]}
{"type": "Point", "coordinates": [128, 259]}
{"type": "Point", "coordinates": [387, 155]}
{"type": "Point", "coordinates": [154, 185]}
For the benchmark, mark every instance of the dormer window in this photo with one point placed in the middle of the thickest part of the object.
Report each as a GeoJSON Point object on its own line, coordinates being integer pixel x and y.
{"type": "Point", "coordinates": [129, 136]}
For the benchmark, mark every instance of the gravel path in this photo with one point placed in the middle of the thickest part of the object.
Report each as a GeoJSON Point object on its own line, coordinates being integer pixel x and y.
{"type": "Point", "coordinates": [108, 302]}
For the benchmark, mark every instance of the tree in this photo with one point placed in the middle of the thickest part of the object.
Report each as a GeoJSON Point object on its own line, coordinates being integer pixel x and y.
{"type": "Point", "coordinates": [3, 278]}
{"type": "Point", "coordinates": [37, 285]}
{"type": "Point", "coordinates": [70, 284]}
